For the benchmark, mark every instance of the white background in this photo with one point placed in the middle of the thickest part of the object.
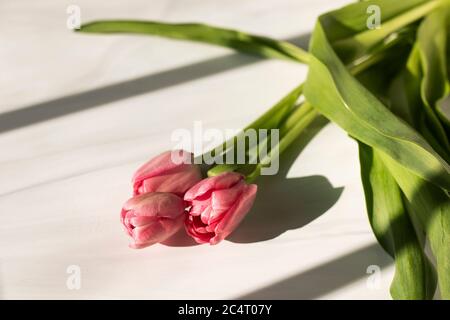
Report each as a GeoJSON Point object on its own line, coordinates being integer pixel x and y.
{"type": "Point", "coordinates": [79, 113]}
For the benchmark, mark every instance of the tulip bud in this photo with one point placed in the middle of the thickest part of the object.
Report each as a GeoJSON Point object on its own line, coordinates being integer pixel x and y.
{"type": "Point", "coordinates": [152, 217]}
{"type": "Point", "coordinates": [171, 171]}
{"type": "Point", "coordinates": [217, 206]}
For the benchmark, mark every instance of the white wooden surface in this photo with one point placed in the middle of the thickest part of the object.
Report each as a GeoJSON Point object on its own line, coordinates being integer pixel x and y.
{"type": "Point", "coordinates": [78, 114]}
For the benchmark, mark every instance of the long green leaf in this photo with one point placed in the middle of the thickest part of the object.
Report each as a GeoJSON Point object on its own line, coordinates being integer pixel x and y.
{"type": "Point", "coordinates": [443, 110]}
{"type": "Point", "coordinates": [404, 91]}
{"type": "Point", "coordinates": [430, 207]}
{"type": "Point", "coordinates": [258, 45]}
{"type": "Point", "coordinates": [340, 97]}
{"type": "Point", "coordinates": [414, 274]}
{"type": "Point", "coordinates": [431, 40]}
{"type": "Point", "coordinates": [406, 102]}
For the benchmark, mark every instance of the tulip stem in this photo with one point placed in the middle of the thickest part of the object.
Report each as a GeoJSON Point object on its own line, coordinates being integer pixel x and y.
{"type": "Point", "coordinates": [295, 124]}
{"type": "Point", "coordinates": [271, 119]}
{"type": "Point", "coordinates": [253, 151]}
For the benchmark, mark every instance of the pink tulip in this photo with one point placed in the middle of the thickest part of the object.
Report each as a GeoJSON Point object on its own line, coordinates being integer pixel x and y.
{"type": "Point", "coordinates": [171, 171]}
{"type": "Point", "coordinates": [152, 217]}
{"type": "Point", "coordinates": [217, 206]}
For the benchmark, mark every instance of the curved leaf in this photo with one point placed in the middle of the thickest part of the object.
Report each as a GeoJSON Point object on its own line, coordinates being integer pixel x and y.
{"type": "Point", "coordinates": [432, 42]}
{"type": "Point", "coordinates": [406, 102]}
{"type": "Point", "coordinates": [414, 274]}
{"type": "Point", "coordinates": [238, 40]}
{"type": "Point", "coordinates": [339, 96]}
{"type": "Point", "coordinates": [430, 207]}
{"type": "Point", "coordinates": [443, 110]}
{"type": "Point", "coordinates": [404, 92]}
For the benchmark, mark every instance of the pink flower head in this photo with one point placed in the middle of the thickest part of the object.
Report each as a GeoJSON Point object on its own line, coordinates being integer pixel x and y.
{"type": "Point", "coordinates": [217, 206]}
{"type": "Point", "coordinates": [152, 217]}
{"type": "Point", "coordinates": [171, 171]}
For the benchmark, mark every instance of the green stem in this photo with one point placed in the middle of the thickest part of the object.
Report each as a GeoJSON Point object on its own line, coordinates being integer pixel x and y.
{"type": "Point", "coordinates": [307, 118]}
{"type": "Point", "coordinates": [271, 119]}
{"type": "Point", "coordinates": [295, 117]}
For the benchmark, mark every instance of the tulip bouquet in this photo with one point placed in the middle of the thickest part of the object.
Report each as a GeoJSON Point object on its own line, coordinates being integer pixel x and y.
{"type": "Point", "coordinates": [387, 85]}
{"type": "Point", "coordinates": [169, 195]}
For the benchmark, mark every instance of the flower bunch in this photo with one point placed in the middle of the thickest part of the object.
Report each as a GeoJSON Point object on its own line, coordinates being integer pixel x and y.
{"type": "Point", "coordinates": [169, 192]}
{"type": "Point", "coordinates": [384, 81]}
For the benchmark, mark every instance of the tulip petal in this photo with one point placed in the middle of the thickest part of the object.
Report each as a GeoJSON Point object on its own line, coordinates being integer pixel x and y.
{"type": "Point", "coordinates": [206, 214]}
{"type": "Point", "coordinates": [142, 221]}
{"type": "Point", "coordinates": [223, 181]}
{"type": "Point", "coordinates": [235, 215]}
{"type": "Point", "coordinates": [156, 204]}
{"type": "Point", "coordinates": [193, 231]}
{"type": "Point", "coordinates": [211, 227]}
{"type": "Point", "coordinates": [198, 206]}
{"type": "Point", "coordinates": [162, 163]}
{"type": "Point", "coordinates": [177, 181]}
{"type": "Point", "coordinates": [223, 200]}
{"type": "Point", "coordinates": [171, 171]}
{"type": "Point", "coordinates": [125, 220]}
{"type": "Point", "coordinates": [158, 231]}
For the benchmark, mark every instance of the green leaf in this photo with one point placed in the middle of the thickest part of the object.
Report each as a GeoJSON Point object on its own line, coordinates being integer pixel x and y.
{"type": "Point", "coordinates": [378, 77]}
{"type": "Point", "coordinates": [418, 92]}
{"type": "Point", "coordinates": [345, 22]}
{"type": "Point", "coordinates": [431, 40]}
{"type": "Point", "coordinates": [443, 110]}
{"type": "Point", "coordinates": [406, 102]}
{"type": "Point", "coordinates": [347, 27]}
{"type": "Point", "coordinates": [404, 92]}
{"type": "Point", "coordinates": [238, 40]}
{"type": "Point", "coordinates": [414, 274]}
{"type": "Point", "coordinates": [430, 207]}
{"type": "Point", "coordinates": [340, 97]}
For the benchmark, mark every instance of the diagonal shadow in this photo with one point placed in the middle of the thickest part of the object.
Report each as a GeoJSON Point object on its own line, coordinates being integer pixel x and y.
{"type": "Point", "coordinates": [89, 99]}
{"type": "Point", "coordinates": [325, 278]}
{"type": "Point", "coordinates": [287, 203]}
